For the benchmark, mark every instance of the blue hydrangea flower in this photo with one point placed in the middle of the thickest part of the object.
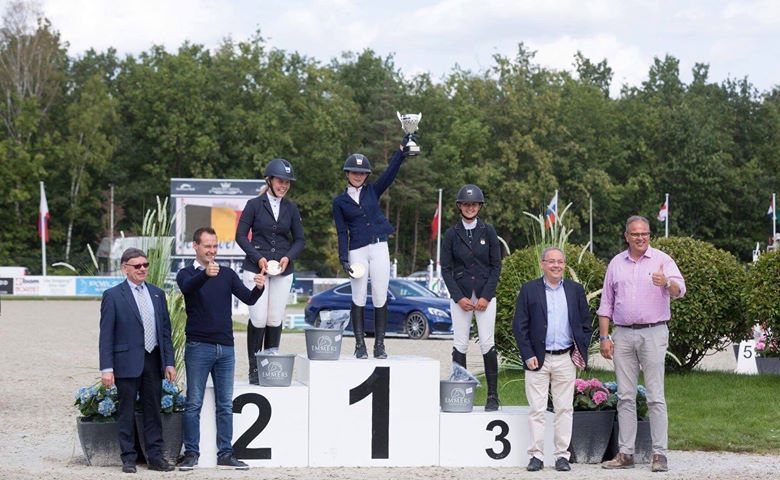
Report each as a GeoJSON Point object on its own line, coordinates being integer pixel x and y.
{"type": "Point", "coordinates": [169, 387]}
{"type": "Point", "coordinates": [106, 407]}
{"type": "Point", "coordinates": [166, 401]}
{"type": "Point", "coordinates": [83, 395]}
{"type": "Point", "coordinates": [180, 400]}
{"type": "Point", "coordinates": [611, 386]}
{"type": "Point", "coordinates": [112, 392]}
{"type": "Point", "coordinates": [642, 390]}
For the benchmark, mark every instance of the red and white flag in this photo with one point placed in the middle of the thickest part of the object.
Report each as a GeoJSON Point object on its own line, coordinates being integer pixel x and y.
{"type": "Point", "coordinates": [43, 217]}
{"type": "Point", "coordinates": [552, 212]}
{"type": "Point", "coordinates": [663, 213]}
{"type": "Point", "coordinates": [771, 211]}
{"type": "Point", "coordinates": [435, 224]}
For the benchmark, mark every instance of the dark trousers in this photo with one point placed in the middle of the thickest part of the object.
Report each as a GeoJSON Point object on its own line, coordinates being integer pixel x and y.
{"type": "Point", "coordinates": [149, 387]}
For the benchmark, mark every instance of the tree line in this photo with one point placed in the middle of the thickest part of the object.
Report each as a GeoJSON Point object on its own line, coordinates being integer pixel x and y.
{"type": "Point", "coordinates": [517, 129]}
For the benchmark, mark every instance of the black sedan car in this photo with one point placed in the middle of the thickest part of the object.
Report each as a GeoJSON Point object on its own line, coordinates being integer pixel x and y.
{"type": "Point", "coordinates": [413, 310]}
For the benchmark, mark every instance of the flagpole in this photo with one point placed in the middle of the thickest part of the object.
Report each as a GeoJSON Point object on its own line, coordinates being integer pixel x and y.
{"type": "Point", "coordinates": [590, 199]}
{"type": "Point", "coordinates": [666, 222]}
{"type": "Point", "coordinates": [438, 239]}
{"type": "Point", "coordinates": [42, 225]}
{"type": "Point", "coordinates": [774, 220]}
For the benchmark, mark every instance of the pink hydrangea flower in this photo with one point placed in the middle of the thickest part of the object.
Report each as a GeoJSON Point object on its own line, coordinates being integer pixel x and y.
{"type": "Point", "coordinates": [760, 345]}
{"type": "Point", "coordinates": [599, 397]}
{"type": "Point", "coordinates": [595, 383]}
{"type": "Point", "coordinates": [580, 385]}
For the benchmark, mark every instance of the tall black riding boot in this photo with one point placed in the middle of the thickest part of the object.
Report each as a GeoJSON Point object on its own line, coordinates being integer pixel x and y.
{"type": "Point", "coordinates": [273, 337]}
{"type": "Point", "coordinates": [491, 375]}
{"type": "Point", "coordinates": [254, 343]}
{"type": "Point", "coordinates": [356, 315]}
{"type": "Point", "coordinates": [380, 325]}
{"type": "Point", "coordinates": [459, 358]}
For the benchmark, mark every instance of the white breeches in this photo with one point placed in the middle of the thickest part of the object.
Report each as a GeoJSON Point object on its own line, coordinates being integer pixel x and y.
{"type": "Point", "coordinates": [376, 258]}
{"type": "Point", "coordinates": [461, 326]}
{"type": "Point", "coordinates": [270, 307]}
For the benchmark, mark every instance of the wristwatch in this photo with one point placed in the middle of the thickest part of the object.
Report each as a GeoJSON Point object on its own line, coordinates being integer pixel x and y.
{"type": "Point", "coordinates": [605, 337]}
{"type": "Point", "coordinates": [668, 283]}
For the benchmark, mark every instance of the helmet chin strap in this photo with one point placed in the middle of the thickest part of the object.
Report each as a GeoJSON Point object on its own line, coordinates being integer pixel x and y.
{"type": "Point", "coordinates": [271, 187]}
{"type": "Point", "coordinates": [349, 181]}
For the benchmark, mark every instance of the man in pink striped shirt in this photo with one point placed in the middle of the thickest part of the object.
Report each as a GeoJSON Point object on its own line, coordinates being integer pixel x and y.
{"type": "Point", "coordinates": [638, 287]}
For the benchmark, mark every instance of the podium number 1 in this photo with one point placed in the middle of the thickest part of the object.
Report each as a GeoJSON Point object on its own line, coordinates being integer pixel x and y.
{"type": "Point", "coordinates": [378, 386]}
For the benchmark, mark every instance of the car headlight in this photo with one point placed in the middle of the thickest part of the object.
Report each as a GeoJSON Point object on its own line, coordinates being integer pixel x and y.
{"type": "Point", "coordinates": [438, 312]}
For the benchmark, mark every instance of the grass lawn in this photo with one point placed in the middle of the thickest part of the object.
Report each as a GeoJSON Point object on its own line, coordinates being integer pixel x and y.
{"type": "Point", "coordinates": [707, 410]}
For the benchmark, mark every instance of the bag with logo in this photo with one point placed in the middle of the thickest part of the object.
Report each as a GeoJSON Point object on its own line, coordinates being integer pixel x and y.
{"type": "Point", "coordinates": [460, 374]}
{"type": "Point", "coordinates": [334, 319]}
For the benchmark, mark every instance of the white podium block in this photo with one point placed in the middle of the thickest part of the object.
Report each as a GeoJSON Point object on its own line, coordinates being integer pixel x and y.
{"type": "Point", "coordinates": [490, 439]}
{"type": "Point", "coordinates": [372, 412]}
{"type": "Point", "coordinates": [270, 426]}
{"type": "Point", "coordinates": [746, 357]}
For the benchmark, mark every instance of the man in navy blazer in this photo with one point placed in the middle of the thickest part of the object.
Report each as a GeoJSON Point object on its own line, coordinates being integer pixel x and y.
{"type": "Point", "coordinates": [552, 327]}
{"type": "Point", "coordinates": [135, 352]}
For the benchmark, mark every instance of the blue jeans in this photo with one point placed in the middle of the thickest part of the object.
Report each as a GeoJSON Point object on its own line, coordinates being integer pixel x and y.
{"type": "Point", "coordinates": [200, 359]}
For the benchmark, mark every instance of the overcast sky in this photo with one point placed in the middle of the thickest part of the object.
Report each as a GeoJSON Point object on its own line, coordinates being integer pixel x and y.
{"type": "Point", "coordinates": [734, 37]}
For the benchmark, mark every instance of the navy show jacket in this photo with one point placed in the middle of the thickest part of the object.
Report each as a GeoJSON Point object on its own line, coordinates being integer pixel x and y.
{"type": "Point", "coordinates": [471, 267]}
{"type": "Point", "coordinates": [358, 225]}
{"type": "Point", "coordinates": [271, 239]}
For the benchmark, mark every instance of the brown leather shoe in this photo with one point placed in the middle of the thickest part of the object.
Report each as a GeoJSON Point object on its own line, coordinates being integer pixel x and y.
{"type": "Point", "coordinates": [659, 463]}
{"type": "Point", "coordinates": [621, 460]}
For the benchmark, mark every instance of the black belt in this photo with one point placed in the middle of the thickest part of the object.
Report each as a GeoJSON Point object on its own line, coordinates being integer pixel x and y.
{"type": "Point", "coordinates": [379, 239]}
{"type": "Point", "coordinates": [558, 352]}
{"type": "Point", "coordinates": [637, 326]}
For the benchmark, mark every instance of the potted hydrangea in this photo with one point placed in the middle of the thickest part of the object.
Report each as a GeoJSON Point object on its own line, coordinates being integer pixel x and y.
{"type": "Point", "coordinates": [594, 414]}
{"type": "Point", "coordinates": [643, 446]}
{"type": "Point", "coordinates": [98, 430]}
{"type": "Point", "coordinates": [171, 405]}
{"type": "Point", "coordinates": [97, 427]}
{"type": "Point", "coordinates": [767, 354]}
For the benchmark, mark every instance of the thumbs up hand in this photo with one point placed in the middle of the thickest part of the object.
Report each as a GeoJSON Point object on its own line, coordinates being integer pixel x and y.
{"type": "Point", "coordinates": [659, 279]}
{"type": "Point", "coordinates": [212, 269]}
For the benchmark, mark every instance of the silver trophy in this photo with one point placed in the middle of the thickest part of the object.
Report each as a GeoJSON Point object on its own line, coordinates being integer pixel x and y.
{"type": "Point", "coordinates": [409, 123]}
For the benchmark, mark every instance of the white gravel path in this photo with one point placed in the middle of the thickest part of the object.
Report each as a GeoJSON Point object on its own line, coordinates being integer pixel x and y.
{"type": "Point", "coordinates": [49, 348]}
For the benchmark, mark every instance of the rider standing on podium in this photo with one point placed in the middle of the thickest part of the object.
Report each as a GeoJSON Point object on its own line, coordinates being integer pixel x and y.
{"type": "Point", "coordinates": [470, 266]}
{"type": "Point", "coordinates": [362, 232]}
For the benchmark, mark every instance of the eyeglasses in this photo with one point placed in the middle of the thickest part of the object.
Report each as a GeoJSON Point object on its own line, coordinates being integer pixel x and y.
{"type": "Point", "coordinates": [639, 234]}
{"type": "Point", "coordinates": [138, 266]}
{"type": "Point", "coordinates": [554, 262]}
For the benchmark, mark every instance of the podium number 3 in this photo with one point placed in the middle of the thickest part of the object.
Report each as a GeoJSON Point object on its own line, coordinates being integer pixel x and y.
{"type": "Point", "coordinates": [501, 438]}
{"type": "Point", "coordinates": [378, 386]}
{"type": "Point", "coordinates": [241, 447]}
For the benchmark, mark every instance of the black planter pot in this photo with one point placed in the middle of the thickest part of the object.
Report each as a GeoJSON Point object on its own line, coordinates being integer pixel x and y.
{"type": "Point", "coordinates": [643, 447]}
{"type": "Point", "coordinates": [100, 442]}
{"type": "Point", "coordinates": [590, 434]}
{"type": "Point", "coordinates": [173, 436]}
{"type": "Point", "coordinates": [770, 365]}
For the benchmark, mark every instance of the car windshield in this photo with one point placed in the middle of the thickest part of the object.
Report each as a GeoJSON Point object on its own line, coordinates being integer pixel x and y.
{"type": "Point", "coordinates": [409, 289]}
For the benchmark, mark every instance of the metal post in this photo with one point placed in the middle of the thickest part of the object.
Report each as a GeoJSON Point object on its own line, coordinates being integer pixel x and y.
{"type": "Point", "coordinates": [666, 223]}
{"type": "Point", "coordinates": [590, 221]}
{"type": "Point", "coordinates": [111, 232]}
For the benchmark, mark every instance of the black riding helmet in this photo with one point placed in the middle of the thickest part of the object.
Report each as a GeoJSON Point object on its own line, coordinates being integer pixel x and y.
{"type": "Point", "coordinates": [470, 194]}
{"type": "Point", "coordinates": [357, 162]}
{"type": "Point", "coordinates": [279, 168]}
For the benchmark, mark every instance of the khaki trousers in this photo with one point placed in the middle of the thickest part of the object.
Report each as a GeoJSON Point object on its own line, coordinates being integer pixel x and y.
{"type": "Point", "coordinates": [556, 375]}
{"type": "Point", "coordinates": [645, 348]}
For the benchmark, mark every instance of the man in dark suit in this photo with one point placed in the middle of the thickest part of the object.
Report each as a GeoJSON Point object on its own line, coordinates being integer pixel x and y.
{"type": "Point", "coordinates": [135, 352]}
{"type": "Point", "coordinates": [552, 327]}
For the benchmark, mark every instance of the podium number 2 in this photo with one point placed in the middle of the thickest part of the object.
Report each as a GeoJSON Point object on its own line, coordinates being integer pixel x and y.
{"type": "Point", "coordinates": [501, 437]}
{"type": "Point", "coordinates": [378, 386]}
{"type": "Point", "coordinates": [240, 448]}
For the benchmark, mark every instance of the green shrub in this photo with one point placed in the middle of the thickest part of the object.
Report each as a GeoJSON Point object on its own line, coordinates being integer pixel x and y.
{"type": "Point", "coordinates": [762, 292]}
{"type": "Point", "coordinates": [522, 266]}
{"type": "Point", "coordinates": [712, 314]}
